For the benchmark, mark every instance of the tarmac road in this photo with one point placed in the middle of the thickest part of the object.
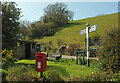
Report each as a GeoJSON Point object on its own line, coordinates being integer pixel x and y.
{"type": "Point", "coordinates": [74, 57]}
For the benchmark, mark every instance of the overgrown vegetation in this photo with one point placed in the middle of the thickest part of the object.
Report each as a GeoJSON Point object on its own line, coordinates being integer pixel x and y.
{"type": "Point", "coordinates": [110, 51]}
{"type": "Point", "coordinates": [99, 77]}
{"type": "Point", "coordinates": [62, 70]}
{"type": "Point", "coordinates": [72, 48]}
{"type": "Point", "coordinates": [8, 58]}
{"type": "Point", "coordinates": [22, 73]}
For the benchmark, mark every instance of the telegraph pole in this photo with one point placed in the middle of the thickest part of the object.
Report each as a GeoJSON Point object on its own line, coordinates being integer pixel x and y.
{"type": "Point", "coordinates": [87, 42]}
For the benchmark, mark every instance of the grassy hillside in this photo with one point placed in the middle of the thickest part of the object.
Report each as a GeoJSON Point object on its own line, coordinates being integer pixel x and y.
{"type": "Point", "coordinates": [70, 33]}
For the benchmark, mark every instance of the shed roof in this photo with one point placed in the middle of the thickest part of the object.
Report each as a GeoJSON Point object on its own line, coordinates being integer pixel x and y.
{"type": "Point", "coordinates": [27, 41]}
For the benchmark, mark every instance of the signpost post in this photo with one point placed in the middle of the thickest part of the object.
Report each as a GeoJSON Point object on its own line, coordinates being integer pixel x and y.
{"type": "Point", "coordinates": [87, 36]}
{"type": "Point", "coordinates": [86, 31]}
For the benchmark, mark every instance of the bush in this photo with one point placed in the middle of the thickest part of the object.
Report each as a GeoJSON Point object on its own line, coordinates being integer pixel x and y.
{"type": "Point", "coordinates": [72, 48]}
{"type": "Point", "coordinates": [7, 59]}
{"type": "Point", "coordinates": [109, 55]}
{"type": "Point", "coordinates": [53, 76]}
{"type": "Point", "coordinates": [56, 73]}
{"type": "Point", "coordinates": [4, 75]}
{"type": "Point", "coordinates": [100, 77]}
{"type": "Point", "coordinates": [117, 77]}
{"type": "Point", "coordinates": [7, 56]}
{"type": "Point", "coordinates": [22, 73]}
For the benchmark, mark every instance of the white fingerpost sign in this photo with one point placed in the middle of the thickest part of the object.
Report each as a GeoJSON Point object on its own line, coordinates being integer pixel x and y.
{"type": "Point", "coordinates": [86, 31]}
{"type": "Point", "coordinates": [91, 29]}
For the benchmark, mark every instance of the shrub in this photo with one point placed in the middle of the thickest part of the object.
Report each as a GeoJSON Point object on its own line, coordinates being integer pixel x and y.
{"type": "Point", "coordinates": [22, 73]}
{"type": "Point", "coordinates": [56, 73]}
{"type": "Point", "coordinates": [117, 78]}
{"type": "Point", "coordinates": [7, 59]}
{"type": "Point", "coordinates": [72, 48]}
{"type": "Point", "coordinates": [4, 75]}
{"type": "Point", "coordinates": [54, 76]}
{"type": "Point", "coordinates": [109, 55]}
{"type": "Point", "coordinates": [7, 56]}
{"type": "Point", "coordinates": [100, 77]}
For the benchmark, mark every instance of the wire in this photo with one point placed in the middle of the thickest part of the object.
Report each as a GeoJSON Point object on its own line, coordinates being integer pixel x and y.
{"type": "Point", "coordinates": [32, 11]}
{"type": "Point", "coordinates": [35, 12]}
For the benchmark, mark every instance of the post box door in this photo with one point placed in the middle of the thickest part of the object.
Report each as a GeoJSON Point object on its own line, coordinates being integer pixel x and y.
{"type": "Point", "coordinates": [40, 62]}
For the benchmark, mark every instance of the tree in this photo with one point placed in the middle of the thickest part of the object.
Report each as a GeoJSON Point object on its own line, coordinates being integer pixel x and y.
{"type": "Point", "coordinates": [10, 23]}
{"type": "Point", "coordinates": [24, 29]}
{"type": "Point", "coordinates": [57, 13]}
{"type": "Point", "coordinates": [39, 29]}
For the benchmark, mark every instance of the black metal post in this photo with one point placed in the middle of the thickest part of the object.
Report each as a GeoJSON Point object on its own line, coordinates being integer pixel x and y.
{"type": "Point", "coordinates": [41, 76]}
{"type": "Point", "coordinates": [80, 60]}
{"type": "Point", "coordinates": [83, 59]}
{"type": "Point", "coordinates": [77, 59]}
{"type": "Point", "coordinates": [88, 63]}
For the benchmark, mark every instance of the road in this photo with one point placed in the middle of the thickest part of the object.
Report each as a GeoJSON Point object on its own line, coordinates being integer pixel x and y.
{"type": "Point", "coordinates": [53, 55]}
{"type": "Point", "coordinates": [74, 57]}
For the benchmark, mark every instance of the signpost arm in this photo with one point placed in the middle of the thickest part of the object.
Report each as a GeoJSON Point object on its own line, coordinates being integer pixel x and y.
{"type": "Point", "coordinates": [87, 42]}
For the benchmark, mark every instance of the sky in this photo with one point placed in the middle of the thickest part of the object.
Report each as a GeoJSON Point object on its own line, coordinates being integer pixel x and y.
{"type": "Point", "coordinates": [32, 11]}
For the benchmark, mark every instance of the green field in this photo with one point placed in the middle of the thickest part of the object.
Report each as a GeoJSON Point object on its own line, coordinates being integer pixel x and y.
{"type": "Point", "coordinates": [70, 33]}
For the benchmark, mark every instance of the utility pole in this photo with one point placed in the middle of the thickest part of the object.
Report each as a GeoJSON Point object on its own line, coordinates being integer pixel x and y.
{"type": "Point", "coordinates": [87, 42]}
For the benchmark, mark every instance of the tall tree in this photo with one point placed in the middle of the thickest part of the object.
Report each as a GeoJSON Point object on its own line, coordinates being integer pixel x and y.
{"type": "Point", "coordinates": [10, 23]}
{"type": "Point", "coordinates": [24, 28]}
{"type": "Point", "coordinates": [57, 13]}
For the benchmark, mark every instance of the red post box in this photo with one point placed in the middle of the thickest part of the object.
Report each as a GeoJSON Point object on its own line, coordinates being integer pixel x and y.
{"type": "Point", "coordinates": [40, 63]}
